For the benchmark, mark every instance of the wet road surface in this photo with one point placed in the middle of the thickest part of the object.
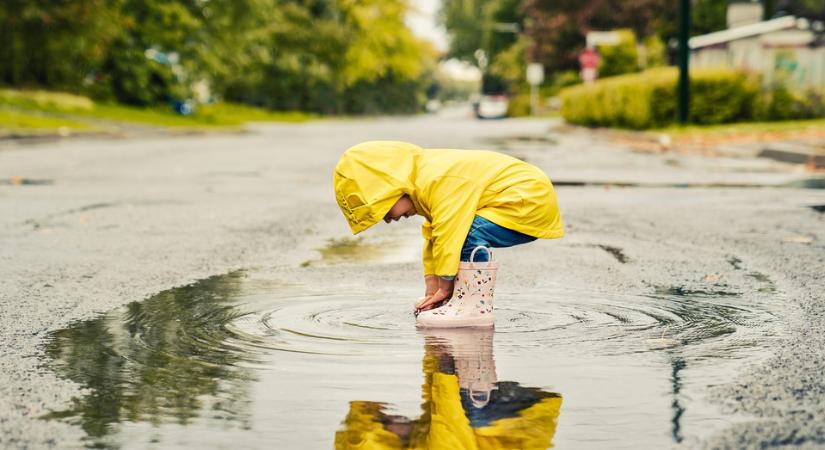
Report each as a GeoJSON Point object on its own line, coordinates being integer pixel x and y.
{"type": "Point", "coordinates": [679, 311]}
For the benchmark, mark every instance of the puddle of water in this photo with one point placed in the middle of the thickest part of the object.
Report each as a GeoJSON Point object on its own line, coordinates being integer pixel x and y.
{"type": "Point", "coordinates": [735, 262]}
{"type": "Point", "coordinates": [682, 292]}
{"type": "Point", "coordinates": [21, 181]}
{"type": "Point", "coordinates": [360, 250]}
{"type": "Point", "coordinates": [508, 141]}
{"type": "Point", "coordinates": [354, 249]}
{"type": "Point", "coordinates": [810, 183]}
{"type": "Point", "coordinates": [235, 173]}
{"type": "Point", "coordinates": [233, 361]}
{"type": "Point", "coordinates": [616, 252]}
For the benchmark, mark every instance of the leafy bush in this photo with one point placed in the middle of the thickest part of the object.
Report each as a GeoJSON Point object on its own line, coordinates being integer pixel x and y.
{"type": "Point", "coordinates": [721, 96]}
{"type": "Point", "coordinates": [648, 99]}
{"type": "Point", "coordinates": [519, 104]}
{"type": "Point", "coordinates": [655, 52]}
{"type": "Point", "coordinates": [780, 103]}
{"type": "Point", "coordinates": [813, 103]}
{"type": "Point", "coordinates": [561, 80]}
{"type": "Point", "coordinates": [620, 58]}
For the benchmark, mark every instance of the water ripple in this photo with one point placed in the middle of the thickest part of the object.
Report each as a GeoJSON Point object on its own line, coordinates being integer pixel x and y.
{"type": "Point", "coordinates": [606, 324]}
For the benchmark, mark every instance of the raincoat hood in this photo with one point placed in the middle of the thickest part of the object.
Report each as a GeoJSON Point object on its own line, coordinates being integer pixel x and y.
{"type": "Point", "coordinates": [370, 177]}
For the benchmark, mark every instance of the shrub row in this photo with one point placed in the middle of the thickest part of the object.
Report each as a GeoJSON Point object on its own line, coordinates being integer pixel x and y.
{"type": "Point", "coordinates": [649, 100]}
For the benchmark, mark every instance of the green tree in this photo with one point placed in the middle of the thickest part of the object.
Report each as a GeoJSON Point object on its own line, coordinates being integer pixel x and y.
{"type": "Point", "coordinates": [354, 56]}
{"type": "Point", "coordinates": [54, 43]}
{"type": "Point", "coordinates": [708, 16]}
{"type": "Point", "coordinates": [558, 28]}
{"type": "Point", "coordinates": [493, 26]}
{"type": "Point", "coordinates": [811, 9]}
{"type": "Point", "coordinates": [315, 55]}
{"type": "Point", "coordinates": [464, 21]}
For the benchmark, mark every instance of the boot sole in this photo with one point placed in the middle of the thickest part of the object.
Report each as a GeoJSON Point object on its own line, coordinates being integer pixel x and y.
{"type": "Point", "coordinates": [464, 322]}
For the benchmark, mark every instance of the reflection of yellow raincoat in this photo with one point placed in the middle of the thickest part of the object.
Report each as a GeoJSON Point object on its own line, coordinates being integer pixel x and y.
{"type": "Point", "coordinates": [447, 187]}
{"type": "Point", "coordinates": [444, 425]}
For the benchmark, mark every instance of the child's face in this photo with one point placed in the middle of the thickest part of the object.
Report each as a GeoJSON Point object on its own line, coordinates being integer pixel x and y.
{"type": "Point", "coordinates": [402, 208]}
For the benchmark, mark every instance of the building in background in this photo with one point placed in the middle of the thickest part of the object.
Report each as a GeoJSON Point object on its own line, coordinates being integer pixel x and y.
{"type": "Point", "coordinates": [788, 49]}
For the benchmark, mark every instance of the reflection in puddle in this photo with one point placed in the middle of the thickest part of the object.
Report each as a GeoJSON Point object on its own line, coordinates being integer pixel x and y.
{"type": "Point", "coordinates": [360, 250]}
{"type": "Point", "coordinates": [809, 183]}
{"type": "Point", "coordinates": [354, 249]}
{"type": "Point", "coordinates": [239, 361]}
{"type": "Point", "coordinates": [464, 406]}
{"type": "Point", "coordinates": [678, 364]}
{"type": "Point", "coordinates": [157, 361]}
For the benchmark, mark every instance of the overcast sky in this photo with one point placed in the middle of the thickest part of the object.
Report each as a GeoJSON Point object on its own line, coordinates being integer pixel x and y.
{"type": "Point", "coordinates": [422, 21]}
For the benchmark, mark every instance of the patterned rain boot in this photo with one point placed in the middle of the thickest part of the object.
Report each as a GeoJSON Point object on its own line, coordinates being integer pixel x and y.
{"type": "Point", "coordinates": [472, 302]}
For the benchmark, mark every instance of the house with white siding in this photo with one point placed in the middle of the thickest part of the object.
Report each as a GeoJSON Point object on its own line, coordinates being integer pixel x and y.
{"type": "Point", "coordinates": [788, 49]}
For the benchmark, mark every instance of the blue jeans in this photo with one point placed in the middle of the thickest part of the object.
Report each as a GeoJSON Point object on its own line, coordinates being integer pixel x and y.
{"type": "Point", "coordinates": [488, 234]}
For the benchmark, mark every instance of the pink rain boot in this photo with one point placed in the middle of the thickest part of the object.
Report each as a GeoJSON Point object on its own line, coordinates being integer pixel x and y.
{"type": "Point", "coordinates": [472, 302]}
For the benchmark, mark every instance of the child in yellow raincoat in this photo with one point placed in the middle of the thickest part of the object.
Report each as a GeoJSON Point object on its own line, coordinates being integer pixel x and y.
{"type": "Point", "coordinates": [468, 198]}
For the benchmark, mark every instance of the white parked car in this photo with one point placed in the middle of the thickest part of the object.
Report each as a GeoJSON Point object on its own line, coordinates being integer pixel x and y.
{"type": "Point", "coordinates": [492, 107]}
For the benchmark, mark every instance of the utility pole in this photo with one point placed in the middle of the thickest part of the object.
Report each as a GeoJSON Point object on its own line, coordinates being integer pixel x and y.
{"type": "Point", "coordinates": [684, 62]}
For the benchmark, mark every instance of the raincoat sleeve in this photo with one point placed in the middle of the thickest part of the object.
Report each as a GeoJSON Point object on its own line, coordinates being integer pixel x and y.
{"type": "Point", "coordinates": [427, 253]}
{"type": "Point", "coordinates": [453, 204]}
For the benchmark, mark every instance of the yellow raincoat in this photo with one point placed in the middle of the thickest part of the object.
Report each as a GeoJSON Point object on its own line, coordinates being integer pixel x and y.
{"type": "Point", "coordinates": [449, 188]}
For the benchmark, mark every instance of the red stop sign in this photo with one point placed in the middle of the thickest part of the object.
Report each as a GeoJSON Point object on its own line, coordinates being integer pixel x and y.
{"type": "Point", "coordinates": [589, 58]}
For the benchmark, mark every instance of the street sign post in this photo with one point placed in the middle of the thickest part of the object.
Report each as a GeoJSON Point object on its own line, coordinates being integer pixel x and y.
{"type": "Point", "coordinates": [535, 76]}
{"type": "Point", "coordinates": [589, 62]}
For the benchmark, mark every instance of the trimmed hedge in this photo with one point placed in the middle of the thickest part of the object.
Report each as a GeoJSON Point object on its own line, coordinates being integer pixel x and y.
{"type": "Point", "coordinates": [648, 99]}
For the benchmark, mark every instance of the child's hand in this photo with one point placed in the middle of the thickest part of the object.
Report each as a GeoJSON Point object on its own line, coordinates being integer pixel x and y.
{"type": "Point", "coordinates": [444, 292]}
{"type": "Point", "coordinates": [430, 285]}
{"type": "Point", "coordinates": [430, 288]}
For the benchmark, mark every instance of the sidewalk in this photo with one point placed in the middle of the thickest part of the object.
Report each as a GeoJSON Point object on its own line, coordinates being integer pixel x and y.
{"type": "Point", "coordinates": [792, 142]}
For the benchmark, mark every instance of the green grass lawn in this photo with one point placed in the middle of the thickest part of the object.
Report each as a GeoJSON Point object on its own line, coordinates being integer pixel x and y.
{"type": "Point", "coordinates": [215, 115]}
{"type": "Point", "coordinates": [16, 122]}
{"type": "Point", "coordinates": [44, 110]}
{"type": "Point", "coordinates": [732, 129]}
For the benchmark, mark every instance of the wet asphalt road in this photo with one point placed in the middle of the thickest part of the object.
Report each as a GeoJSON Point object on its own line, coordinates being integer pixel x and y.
{"type": "Point", "coordinates": [107, 222]}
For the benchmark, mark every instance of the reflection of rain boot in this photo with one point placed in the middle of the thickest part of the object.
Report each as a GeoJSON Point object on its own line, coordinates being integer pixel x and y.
{"type": "Point", "coordinates": [474, 364]}
{"type": "Point", "coordinates": [471, 350]}
{"type": "Point", "coordinates": [472, 302]}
